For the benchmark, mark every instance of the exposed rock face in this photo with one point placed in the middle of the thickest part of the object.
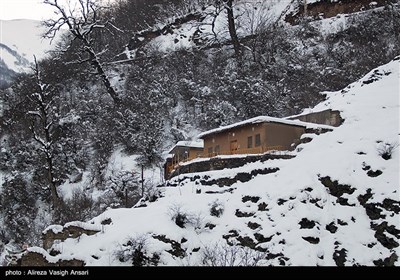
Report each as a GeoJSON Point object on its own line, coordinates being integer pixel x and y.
{"type": "Point", "coordinates": [141, 39]}
{"type": "Point", "coordinates": [339, 256]}
{"type": "Point", "coordinates": [69, 231]}
{"type": "Point", "coordinates": [330, 8]}
{"type": "Point", "coordinates": [332, 228]}
{"type": "Point", "coordinates": [305, 223]}
{"type": "Point", "coordinates": [312, 240]}
{"type": "Point", "coordinates": [337, 190]}
{"type": "Point", "coordinates": [176, 250]}
{"type": "Point", "coordinates": [53, 233]}
{"type": "Point", "coordinates": [37, 259]}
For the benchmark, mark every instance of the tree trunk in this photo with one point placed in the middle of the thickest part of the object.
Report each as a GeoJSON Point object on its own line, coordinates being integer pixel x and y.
{"type": "Point", "coordinates": [232, 28]}
{"type": "Point", "coordinates": [142, 181]}
{"type": "Point", "coordinates": [99, 68]}
{"type": "Point", "coordinates": [49, 158]}
{"type": "Point", "coordinates": [53, 187]}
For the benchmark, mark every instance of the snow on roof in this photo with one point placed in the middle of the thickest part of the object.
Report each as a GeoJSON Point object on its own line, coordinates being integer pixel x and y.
{"type": "Point", "coordinates": [306, 112]}
{"type": "Point", "coordinates": [198, 143]}
{"type": "Point", "coordinates": [193, 144]}
{"type": "Point", "coordinates": [262, 119]}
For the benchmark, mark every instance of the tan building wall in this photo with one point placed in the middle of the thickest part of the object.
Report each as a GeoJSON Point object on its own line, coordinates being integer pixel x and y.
{"type": "Point", "coordinates": [284, 135]}
{"type": "Point", "coordinates": [181, 154]}
{"type": "Point", "coordinates": [184, 153]}
{"type": "Point", "coordinates": [327, 117]}
{"type": "Point", "coordinates": [235, 141]}
{"type": "Point", "coordinates": [195, 152]}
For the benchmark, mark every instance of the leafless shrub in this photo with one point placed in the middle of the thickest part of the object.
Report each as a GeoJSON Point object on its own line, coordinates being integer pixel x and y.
{"type": "Point", "coordinates": [196, 220]}
{"type": "Point", "coordinates": [80, 207]}
{"type": "Point", "coordinates": [225, 255]}
{"type": "Point", "coordinates": [385, 150]}
{"type": "Point", "coordinates": [178, 215]}
{"type": "Point", "coordinates": [183, 218]}
{"type": "Point", "coordinates": [136, 250]}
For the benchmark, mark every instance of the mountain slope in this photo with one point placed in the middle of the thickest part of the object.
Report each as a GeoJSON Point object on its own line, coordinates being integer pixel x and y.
{"type": "Point", "coordinates": [208, 27]}
{"type": "Point", "coordinates": [335, 203]}
{"type": "Point", "coordinates": [20, 40]}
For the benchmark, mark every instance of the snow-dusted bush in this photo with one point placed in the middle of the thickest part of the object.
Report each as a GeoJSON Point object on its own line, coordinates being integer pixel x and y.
{"type": "Point", "coordinates": [18, 208]}
{"type": "Point", "coordinates": [136, 251]}
{"type": "Point", "coordinates": [196, 220]}
{"type": "Point", "coordinates": [178, 215]}
{"type": "Point", "coordinates": [217, 208]}
{"type": "Point", "coordinates": [385, 150]}
{"type": "Point", "coordinates": [125, 186]}
{"type": "Point", "coordinates": [150, 190]}
{"type": "Point", "coordinates": [80, 207]}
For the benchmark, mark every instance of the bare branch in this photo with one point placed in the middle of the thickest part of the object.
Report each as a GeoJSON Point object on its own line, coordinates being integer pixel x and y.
{"type": "Point", "coordinates": [81, 22]}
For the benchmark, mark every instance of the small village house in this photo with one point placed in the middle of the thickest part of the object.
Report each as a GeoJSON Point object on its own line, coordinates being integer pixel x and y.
{"type": "Point", "coordinates": [183, 151]}
{"type": "Point", "coordinates": [253, 136]}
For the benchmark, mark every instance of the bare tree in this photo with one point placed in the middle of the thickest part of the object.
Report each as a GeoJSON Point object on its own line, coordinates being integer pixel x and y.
{"type": "Point", "coordinates": [41, 127]}
{"type": "Point", "coordinates": [81, 20]}
{"type": "Point", "coordinates": [256, 23]}
{"type": "Point", "coordinates": [232, 28]}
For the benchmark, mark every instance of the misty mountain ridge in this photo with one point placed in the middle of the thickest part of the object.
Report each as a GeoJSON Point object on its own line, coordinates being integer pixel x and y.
{"type": "Point", "coordinates": [21, 40]}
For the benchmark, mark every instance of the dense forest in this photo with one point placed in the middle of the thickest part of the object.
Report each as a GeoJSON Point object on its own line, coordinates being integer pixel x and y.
{"type": "Point", "coordinates": [67, 117]}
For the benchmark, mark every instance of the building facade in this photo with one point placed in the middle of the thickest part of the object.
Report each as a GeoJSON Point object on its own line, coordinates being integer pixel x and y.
{"type": "Point", "coordinates": [181, 152]}
{"type": "Point", "coordinates": [253, 136]}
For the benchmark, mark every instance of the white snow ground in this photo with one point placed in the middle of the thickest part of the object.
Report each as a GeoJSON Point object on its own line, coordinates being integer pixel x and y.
{"type": "Point", "coordinates": [370, 108]}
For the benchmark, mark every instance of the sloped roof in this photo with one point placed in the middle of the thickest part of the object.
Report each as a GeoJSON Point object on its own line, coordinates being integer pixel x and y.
{"type": "Point", "coordinates": [262, 119]}
{"type": "Point", "coordinates": [199, 143]}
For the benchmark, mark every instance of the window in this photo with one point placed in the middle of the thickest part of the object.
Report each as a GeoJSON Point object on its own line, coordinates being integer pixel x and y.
{"type": "Point", "coordinates": [258, 140]}
{"type": "Point", "coordinates": [210, 151]}
{"type": "Point", "coordinates": [250, 142]}
{"type": "Point", "coordinates": [217, 150]}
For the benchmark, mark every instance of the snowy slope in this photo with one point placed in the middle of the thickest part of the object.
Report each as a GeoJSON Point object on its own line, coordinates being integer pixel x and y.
{"type": "Point", "coordinates": [208, 27]}
{"type": "Point", "coordinates": [297, 216]}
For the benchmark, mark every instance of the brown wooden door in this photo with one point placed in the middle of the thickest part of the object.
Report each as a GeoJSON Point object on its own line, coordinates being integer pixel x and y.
{"type": "Point", "coordinates": [234, 147]}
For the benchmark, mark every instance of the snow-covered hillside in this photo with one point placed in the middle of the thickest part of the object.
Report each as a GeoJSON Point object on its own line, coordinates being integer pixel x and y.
{"type": "Point", "coordinates": [335, 203]}
{"type": "Point", "coordinates": [210, 26]}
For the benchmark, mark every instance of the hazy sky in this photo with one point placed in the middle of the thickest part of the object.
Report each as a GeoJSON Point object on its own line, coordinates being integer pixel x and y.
{"type": "Point", "coordinates": [24, 9]}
